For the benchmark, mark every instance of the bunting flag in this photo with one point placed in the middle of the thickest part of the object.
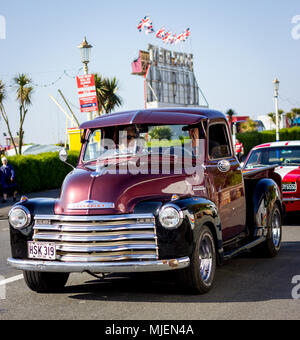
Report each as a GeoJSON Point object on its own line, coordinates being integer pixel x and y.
{"type": "Point", "coordinates": [160, 33]}
{"type": "Point", "coordinates": [167, 37]}
{"type": "Point", "coordinates": [144, 24]}
{"type": "Point", "coordinates": [149, 30]}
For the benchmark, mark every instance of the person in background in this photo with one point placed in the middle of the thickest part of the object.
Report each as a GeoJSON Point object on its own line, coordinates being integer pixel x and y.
{"type": "Point", "coordinates": [239, 149]}
{"type": "Point", "coordinates": [8, 180]}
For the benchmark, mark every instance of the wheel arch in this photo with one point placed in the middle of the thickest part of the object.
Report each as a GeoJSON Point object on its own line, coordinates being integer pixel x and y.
{"type": "Point", "coordinates": [266, 195]}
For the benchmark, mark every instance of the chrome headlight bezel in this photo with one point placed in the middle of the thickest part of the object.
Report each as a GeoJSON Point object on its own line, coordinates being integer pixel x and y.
{"type": "Point", "coordinates": [172, 209]}
{"type": "Point", "coordinates": [26, 214]}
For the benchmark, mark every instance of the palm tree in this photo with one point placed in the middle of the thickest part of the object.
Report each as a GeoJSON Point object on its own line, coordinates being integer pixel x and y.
{"type": "Point", "coordinates": [107, 96]}
{"type": "Point", "coordinates": [230, 113]}
{"type": "Point", "coordinates": [24, 95]}
{"type": "Point", "coordinates": [3, 113]}
{"type": "Point", "coordinates": [249, 126]}
{"type": "Point", "coordinates": [112, 99]}
{"type": "Point", "coordinates": [291, 117]}
{"type": "Point", "coordinates": [272, 116]}
{"type": "Point", "coordinates": [100, 91]}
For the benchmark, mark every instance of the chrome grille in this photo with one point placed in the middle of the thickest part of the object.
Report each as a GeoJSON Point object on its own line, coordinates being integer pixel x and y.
{"type": "Point", "coordinates": [99, 238]}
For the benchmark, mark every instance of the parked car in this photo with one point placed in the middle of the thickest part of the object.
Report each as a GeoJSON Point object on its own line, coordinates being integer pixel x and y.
{"type": "Point", "coordinates": [139, 204]}
{"type": "Point", "coordinates": [287, 156]}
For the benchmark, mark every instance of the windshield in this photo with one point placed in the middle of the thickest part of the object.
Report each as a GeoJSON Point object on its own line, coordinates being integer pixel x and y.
{"type": "Point", "coordinates": [132, 140]}
{"type": "Point", "coordinates": [283, 156]}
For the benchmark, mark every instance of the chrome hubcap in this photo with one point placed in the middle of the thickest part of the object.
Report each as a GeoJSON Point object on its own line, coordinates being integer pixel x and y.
{"type": "Point", "coordinates": [276, 229]}
{"type": "Point", "coordinates": [206, 258]}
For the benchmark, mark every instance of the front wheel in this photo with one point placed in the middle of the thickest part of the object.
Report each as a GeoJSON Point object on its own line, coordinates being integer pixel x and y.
{"type": "Point", "coordinates": [199, 276]}
{"type": "Point", "coordinates": [45, 282]}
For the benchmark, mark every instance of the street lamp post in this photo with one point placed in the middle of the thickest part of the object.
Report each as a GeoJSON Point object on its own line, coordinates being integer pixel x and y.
{"type": "Point", "coordinates": [85, 52]}
{"type": "Point", "coordinates": [276, 88]}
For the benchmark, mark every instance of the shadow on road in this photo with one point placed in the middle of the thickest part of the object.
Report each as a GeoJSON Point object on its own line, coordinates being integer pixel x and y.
{"type": "Point", "coordinates": [244, 279]}
{"type": "Point", "coordinates": [292, 219]}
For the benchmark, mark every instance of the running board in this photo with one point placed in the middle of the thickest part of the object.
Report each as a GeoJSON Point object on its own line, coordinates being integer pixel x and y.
{"type": "Point", "coordinates": [246, 247]}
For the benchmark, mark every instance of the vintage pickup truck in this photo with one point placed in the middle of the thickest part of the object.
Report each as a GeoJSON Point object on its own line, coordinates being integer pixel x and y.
{"type": "Point", "coordinates": [154, 190]}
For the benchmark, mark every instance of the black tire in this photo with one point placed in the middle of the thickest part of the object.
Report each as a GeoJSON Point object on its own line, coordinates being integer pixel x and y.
{"type": "Point", "coordinates": [46, 282]}
{"type": "Point", "coordinates": [198, 278]}
{"type": "Point", "coordinates": [271, 247]}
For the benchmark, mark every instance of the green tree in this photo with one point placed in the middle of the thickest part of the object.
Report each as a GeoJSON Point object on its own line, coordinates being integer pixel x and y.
{"type": "Point", "coordinates": [249, 126]}
{"type": "Point", "coordinates": [291, 117]}
{"type": "Point", "coordinates": [3, 113]}
{"type": "Point", "coordinates": [24, 97]}
{"type": "Point", "coordinates": [112, 98]}
{"type": "Point", "coordinates": [230, 113]}
{"type": "Point", "coordinates": [161, 133]}
{"type": "Point", "coordinates": [100, 91]}
{"type": "Point", "coordinates": [107, 96]}
{"type": "Point", "coordinates": [272, 116]}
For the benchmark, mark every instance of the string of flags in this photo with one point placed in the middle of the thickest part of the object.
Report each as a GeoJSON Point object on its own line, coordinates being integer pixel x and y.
{"type": "Point", "coordinates": [146, 25]}
{"type": "Point", "coordinates": [65, 73]}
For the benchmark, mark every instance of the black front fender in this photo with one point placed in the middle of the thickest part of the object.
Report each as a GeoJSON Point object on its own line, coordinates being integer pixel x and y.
{"type": "Point", "coordinates": [19, 239]}
{"type": "Point", "coordinates": [181, 241]}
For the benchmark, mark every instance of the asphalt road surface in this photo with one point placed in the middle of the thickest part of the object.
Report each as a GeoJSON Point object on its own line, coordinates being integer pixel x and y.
{"type": "Point", "coordinates": [245, 288]}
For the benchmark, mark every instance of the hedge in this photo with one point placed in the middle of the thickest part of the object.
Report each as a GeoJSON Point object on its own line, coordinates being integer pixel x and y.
{"type": "Point", "coordinates": [41, 172]}
{"type": "Point", "coordinates": [251, 139]}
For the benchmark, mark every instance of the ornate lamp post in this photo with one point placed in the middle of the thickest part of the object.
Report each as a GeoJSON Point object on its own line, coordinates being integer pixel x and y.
{"type": "Point", "coordinates": [276, 83]}
{"type": "Point", "coordinates": [85, 51]}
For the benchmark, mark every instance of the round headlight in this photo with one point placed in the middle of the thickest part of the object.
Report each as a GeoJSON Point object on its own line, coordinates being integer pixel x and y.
{"type": "Point", "coordinates": [170, 217]}
{"type": "Point", "coordinates": [19, 217]}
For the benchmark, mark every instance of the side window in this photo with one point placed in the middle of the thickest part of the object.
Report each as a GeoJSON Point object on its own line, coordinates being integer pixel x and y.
{"type": "Point", "coordinates": [219, 145]}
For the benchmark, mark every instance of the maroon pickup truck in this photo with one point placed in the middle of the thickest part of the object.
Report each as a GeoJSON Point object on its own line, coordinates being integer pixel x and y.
{"type": "Point", "coordinates": [154, 190]}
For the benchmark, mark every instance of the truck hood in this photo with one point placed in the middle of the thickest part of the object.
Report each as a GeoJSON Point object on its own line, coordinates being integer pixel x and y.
{"type": "Point", "coordinates": [85, 194]}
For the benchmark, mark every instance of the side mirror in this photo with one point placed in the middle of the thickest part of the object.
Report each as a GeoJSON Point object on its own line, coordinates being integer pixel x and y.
{"type": "Point", "coordinates": [63, 155]}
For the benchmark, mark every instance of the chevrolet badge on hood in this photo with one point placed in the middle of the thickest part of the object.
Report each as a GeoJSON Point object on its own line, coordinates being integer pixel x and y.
{"type": "Point", "coordinates": [91, 205]}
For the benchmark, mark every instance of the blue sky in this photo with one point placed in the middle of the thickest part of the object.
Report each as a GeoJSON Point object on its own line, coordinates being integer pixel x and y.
{"type": "Point", "coordinates": [239, 48]}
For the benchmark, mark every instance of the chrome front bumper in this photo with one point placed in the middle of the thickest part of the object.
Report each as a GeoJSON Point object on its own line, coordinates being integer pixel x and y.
{"type": "Point", "coordinates": [291, 200]}
{"type": "Point", "coordinates": [100, 267]}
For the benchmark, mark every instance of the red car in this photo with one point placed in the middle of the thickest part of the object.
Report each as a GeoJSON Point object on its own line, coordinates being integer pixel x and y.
{"type": "Point", "coordinates": [287, 156]}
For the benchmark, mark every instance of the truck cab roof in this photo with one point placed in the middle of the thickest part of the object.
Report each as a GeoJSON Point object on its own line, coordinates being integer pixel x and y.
{"type": "Point", "coordinates": [171, 116]}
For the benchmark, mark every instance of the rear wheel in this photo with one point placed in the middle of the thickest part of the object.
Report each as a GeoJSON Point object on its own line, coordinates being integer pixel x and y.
{"type": "Point", "coordinates": [46, 282]}
{"type": "Point", "coordinates": [271, 247]}
{"type": "Point", "coordinates": [199, 276]}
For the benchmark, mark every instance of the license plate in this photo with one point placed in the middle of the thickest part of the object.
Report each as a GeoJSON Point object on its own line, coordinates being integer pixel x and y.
{"type": "Point", "coordinates": [41, 251]}
{"type": "Point", "coordinates": [289, 187]}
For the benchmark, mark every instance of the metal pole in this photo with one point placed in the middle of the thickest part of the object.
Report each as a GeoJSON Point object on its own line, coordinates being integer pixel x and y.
{"type": "Point", "coordinates": [66, 137]}
{"type": "Point", "coordinates": [61, 108]}
{"type": "Point", "coordinates": [73, 115]}
{"type": "Point", "coordinates": [86, 72]}
{"type": "Point", "coordinates": [277, 115]}
{"type": "Point", "coordinates": [85, 68]}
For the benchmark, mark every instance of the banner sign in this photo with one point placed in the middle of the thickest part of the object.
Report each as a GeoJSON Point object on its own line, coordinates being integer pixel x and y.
{"type": "Point", "coordinates": [87, 93]}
